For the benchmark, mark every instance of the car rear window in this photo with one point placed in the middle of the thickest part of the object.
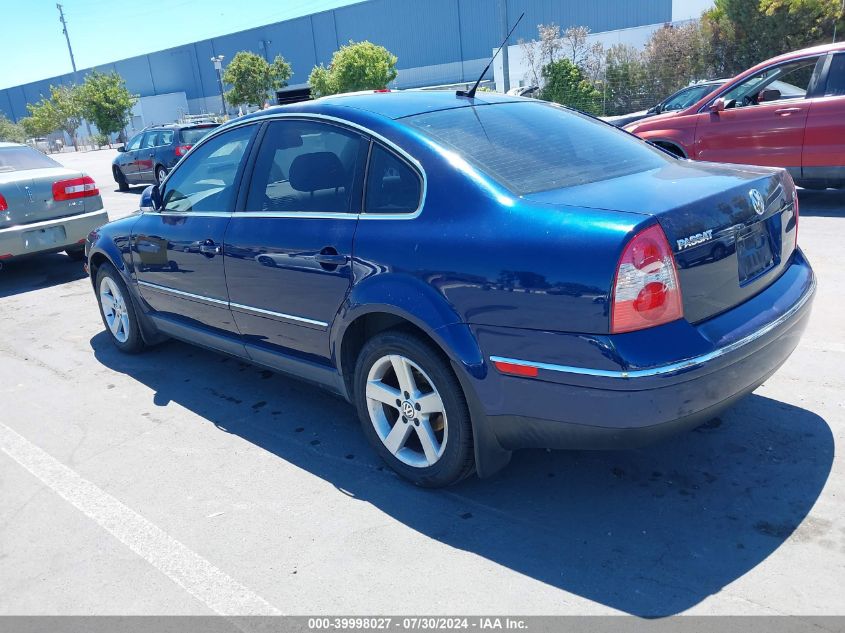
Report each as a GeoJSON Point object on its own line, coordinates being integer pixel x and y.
{"type": "Point", "coordinates": [532, 146]}
{"type": "Point", "coordinates": [20, 158]}
{"type": "Point", "coordinates": [192, 135]}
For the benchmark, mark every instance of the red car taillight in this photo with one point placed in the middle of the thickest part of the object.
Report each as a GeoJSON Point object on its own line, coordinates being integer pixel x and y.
{"type": "Point", "coordinates": [181, 150]}
{"type": "Point", "coordinates": [646, 291]}
{"type": "Point", "coordinates": [4, 206]}
{"type": "Point", "coordinates": [83, 187]}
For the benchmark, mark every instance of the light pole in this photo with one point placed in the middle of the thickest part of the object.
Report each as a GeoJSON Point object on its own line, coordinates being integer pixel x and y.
{"type": "Point", "coordinates": [217, 60]}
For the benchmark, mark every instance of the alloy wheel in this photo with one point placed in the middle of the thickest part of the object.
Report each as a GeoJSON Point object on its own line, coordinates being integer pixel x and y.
{"type": "Point", "coordinates": [115, 309]}
{"type": "Point", "coordinates": [406, 411]}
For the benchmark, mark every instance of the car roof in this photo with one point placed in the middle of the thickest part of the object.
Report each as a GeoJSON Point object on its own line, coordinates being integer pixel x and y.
{"type": "Point", "coordinates": [393, 104]}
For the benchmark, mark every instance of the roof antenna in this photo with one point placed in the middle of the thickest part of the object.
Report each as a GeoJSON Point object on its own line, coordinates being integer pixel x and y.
{"type": "Point", "coordinates": [471, 92]}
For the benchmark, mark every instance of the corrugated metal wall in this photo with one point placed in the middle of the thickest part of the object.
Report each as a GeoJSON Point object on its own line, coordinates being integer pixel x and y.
{"type": "Point", "coordinates": [436, 41]}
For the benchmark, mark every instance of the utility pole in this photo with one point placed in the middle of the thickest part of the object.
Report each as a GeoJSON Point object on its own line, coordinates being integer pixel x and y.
{"type": "Point", "coordinates": [70, 50]}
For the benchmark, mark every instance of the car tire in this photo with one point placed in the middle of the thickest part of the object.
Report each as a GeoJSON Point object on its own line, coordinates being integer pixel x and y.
{"type": "Point", "coordinates": [401, 379]}
{"type": "Point", "coordinates": [160, 173]}
{"type": "Point", "coordinates": [117, 310]}
{"type": "Point", "coordinates": [120, 179]}
{"type": "Point", "coordinates": [76, 254]}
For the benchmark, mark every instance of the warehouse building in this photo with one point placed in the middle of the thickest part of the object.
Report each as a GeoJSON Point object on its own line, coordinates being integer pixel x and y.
{"type": "Point", "coordinates": [436, 41]}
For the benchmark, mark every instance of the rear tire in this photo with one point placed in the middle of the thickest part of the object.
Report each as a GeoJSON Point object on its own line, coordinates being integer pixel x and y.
{"type": "Point", "coordinates": [118, 311]}
{"type": "Point", "coordinates": [120, 179]}
{"type": "Point", "coordinates": [160, 174]}
{"type": "Point", "coordinates": [401, 379]}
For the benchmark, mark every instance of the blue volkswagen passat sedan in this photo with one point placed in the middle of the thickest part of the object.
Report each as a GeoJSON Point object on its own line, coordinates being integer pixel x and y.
{"type": "Point", "coordinates": [476, 275]}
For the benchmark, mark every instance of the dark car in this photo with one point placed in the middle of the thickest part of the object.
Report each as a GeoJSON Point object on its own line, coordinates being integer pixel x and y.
{"type": "Point", "coordinates": [149, 155]}
{"type": "Point", "coordinates": [676, 101]}
{"type": "Point", "coordinates": [415, 253]}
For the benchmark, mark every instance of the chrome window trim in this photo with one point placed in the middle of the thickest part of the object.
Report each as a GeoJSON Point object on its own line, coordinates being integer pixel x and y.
{"type": "Point", "coordinates": [230, 305]}
{"type": "Point", "coordinates": [671, 368]}
{"type": "Point", "coordinates": [342, 123]}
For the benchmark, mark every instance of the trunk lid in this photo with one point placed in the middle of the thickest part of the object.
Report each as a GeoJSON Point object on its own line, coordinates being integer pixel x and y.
{"type": "Point", "coordinates": [726, 250]}
{"type": "Point", "coordinates": [29, 194]}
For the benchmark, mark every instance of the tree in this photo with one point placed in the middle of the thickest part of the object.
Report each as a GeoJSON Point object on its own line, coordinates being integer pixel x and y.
{"type": "Point", "coordinates": [356, 66]}
{"type": "Point", "coordinates": [566, 84]}
{"type": "Point", "coordinates": [35, 128]}
{"type": "Point", "coordinates": [626, 81]}
{"type": "Point", "coordinates": [11, 132]}
{"type": "Point", "coordinates": [62, 111]}
{"type": "Point", "coordinates": [252, 78]}
{"type": "Point", "coordinates": [106, 101]}
{"type": "Point", "coordinates": [551, 46]}
{"type": "Point", "coordinates": [675, 57]}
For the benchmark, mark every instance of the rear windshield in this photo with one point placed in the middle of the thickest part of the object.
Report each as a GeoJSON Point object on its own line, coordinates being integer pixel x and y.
{"type": "Point", "coordinates": [18, 158]}
{"type": "Point", "coordinates": [192, 135]}
{"type": "Point", "coordinates": [533, 146]}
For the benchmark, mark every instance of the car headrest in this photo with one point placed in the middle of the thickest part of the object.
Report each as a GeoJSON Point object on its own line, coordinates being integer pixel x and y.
{"type": "Point", "coordinates": [319, 170]}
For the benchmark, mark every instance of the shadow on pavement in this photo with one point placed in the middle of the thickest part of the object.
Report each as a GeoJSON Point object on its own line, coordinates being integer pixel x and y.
{"type": "Point", "coordinates": [650, 532]}
{"type": "Point", "coordinates": [38, 271]}
{"type": "Point", "coordinates": [826, 203]}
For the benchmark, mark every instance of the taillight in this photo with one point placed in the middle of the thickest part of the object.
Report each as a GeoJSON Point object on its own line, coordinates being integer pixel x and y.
{"type": "Point", "coordinates": [4, 206]}
{"type": "Point", "coordinates": [83, 187]}
{"type": "Point", "coordinates": [181, 150]}
{"type": "Point", "coordinates": [646, 291]}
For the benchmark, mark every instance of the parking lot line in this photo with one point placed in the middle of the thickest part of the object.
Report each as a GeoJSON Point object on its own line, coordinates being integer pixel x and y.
{"type": "Point", "coordinates": [220, 592]}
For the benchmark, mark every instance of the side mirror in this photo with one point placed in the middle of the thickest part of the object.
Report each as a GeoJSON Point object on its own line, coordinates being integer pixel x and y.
{"type": "Point", "coordinates": [717, 106]}
{"type": "Point", "coordinates": [122, 148]}
{"type": "Point", "coordinates": [150, 200]}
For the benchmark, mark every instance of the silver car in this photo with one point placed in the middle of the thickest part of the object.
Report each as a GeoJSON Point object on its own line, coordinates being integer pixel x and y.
{"type": "Point", "coordinates": [44, 207]}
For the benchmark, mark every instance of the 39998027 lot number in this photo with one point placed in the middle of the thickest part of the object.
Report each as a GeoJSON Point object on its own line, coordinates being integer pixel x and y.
{"type": "Point", "coordinates": [372, 623]}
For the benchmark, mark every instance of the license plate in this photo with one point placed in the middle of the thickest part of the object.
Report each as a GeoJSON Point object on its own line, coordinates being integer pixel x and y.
{"type": "Point", "coordinates": [44, 238]}
{"type": "Point", "coordinates": [754, 252]}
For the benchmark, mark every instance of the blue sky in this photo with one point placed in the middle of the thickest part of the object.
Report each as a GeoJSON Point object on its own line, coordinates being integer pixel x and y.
{"type": "Point", "coordinates": [33, 47]}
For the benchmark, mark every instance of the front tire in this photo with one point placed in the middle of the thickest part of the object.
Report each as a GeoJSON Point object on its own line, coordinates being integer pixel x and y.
{"type": "Point", "coordinates": [413, 410]}
{"type": "Point", "coordinates": [117, 310]}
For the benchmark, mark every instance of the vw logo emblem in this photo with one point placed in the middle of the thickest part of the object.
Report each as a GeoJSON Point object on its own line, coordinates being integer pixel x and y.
{"type": "Point", "coordinates": [407, 409]}
{"type": "Point", "coordinates": [757, 202]}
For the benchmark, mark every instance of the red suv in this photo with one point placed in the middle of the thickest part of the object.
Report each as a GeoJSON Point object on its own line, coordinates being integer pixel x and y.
{"type": "Point", "coordinates": [787, 112]}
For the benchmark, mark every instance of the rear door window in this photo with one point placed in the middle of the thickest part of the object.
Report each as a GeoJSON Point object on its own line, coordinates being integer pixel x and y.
{"type": "Point", "coordinates": [393, 186]}
{"type": "Point", "coordinates": [150, 140]}
{"type": "Point", "coordinates": [165, 137]}
{"type": "Point", "coordinates": [306, 166]}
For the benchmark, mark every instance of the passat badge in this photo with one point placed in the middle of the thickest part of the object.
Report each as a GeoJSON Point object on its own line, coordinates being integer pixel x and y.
{"type": "Point", "coordinates": [757, 201]}
{"type": "Point", "coordinates": [695, 240]}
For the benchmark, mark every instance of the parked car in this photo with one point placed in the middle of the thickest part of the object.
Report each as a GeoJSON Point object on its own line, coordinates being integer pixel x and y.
{"type": "Point", "coordinates": [149, 155]}
{"type": "Point", "coordinates": [786, 112]}
{"type": "Point", "coordinates": [679, 100]}
{"type": "Point", "coordinates": [44, 207]}
{"type": "Point", "coordinates": [469, 294]}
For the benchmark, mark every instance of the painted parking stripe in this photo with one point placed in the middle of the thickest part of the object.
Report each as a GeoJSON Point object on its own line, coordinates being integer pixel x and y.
{"type": "Point", "coordinates": [221, 593]}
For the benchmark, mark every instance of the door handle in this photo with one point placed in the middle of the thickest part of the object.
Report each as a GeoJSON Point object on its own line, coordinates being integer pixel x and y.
{"type": "Point", "coordinates": [209, 248]}
{"type": "Point", "coordinates": [787, 111]}
{"type": "Point", "coordinates": [329, 258]}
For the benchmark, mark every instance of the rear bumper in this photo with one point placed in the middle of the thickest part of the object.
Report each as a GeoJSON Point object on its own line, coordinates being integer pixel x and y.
{"type": "Point", "coordinates": [22, 240]}
{"type": "Point", "coordinates": [628, 405]}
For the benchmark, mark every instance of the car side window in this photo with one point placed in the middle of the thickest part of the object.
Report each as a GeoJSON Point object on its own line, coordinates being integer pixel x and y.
{"type": "Point", "coordinates": [306, 166]}
{"type": "Point", "coordinates": [836, 77]}
{"type": "Point", "coordinates": [150, 139]}
{"type": "Point", "coordinates": [205, 181]}
{"type": "Point", "coordinates": [775, 83]}
{"type": "Point", "coordinates": [134, 143]}
{"type": "Point", "coordinates": [393, 186]}
{"type": "Point", "coordinates": [165, 137]}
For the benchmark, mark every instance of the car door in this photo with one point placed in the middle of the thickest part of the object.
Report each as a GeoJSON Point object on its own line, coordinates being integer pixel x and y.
{"type": "Point", "coordinates": [146, 156]}
{"type": "Point", "coordinates": [763, 122]}
{"type": "Point", "coordinates": [823, 157]}
{"type": "Point", "coordinates": [289, 248]}
{"type": "Point", "coordinates": [177, 252]}
{"type": "Point", "coordinates": [127, 160]}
